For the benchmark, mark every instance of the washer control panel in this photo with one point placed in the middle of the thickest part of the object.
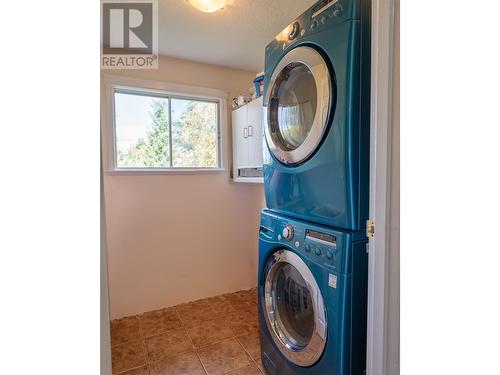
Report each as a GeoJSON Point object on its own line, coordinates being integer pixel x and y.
{"type": "Point", "coordinates": [316, 244]}
{"type": "Point", "coordinates": [321, 245]}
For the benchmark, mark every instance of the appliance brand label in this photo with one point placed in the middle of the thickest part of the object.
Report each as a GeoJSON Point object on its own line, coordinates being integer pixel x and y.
{"type": "Point", "coordinates": [332, 281]}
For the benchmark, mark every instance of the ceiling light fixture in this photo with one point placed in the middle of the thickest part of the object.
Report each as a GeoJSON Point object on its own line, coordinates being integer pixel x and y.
{"type": "Point", "coordinates": [208, 6]}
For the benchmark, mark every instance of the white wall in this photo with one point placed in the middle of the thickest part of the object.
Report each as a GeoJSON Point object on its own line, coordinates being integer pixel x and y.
{"type": "Point", "coordinates": [176, 238]}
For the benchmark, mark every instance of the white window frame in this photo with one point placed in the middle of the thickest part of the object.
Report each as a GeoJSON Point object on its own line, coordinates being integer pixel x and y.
{"type": "Point", "coordinates": [156, 88]}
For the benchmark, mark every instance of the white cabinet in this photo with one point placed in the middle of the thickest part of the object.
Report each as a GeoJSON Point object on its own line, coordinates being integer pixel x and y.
{"type": "Point", "coordinates": [255, 134]}
{"type": "Point", "coordinates": [247, 142]}
{"type": "Point", "coordinates": [240, 137]}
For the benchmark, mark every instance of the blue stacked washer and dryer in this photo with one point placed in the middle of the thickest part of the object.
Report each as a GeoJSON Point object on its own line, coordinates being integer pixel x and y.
{"type": "Point", "coordinates": [313, 259]}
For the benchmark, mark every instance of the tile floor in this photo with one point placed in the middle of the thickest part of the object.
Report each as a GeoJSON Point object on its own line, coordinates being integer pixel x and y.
{"type": "Point", "coordinates": [218, 335]}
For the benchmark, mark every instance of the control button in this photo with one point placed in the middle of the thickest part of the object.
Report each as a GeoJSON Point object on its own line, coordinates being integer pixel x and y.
{"type": "Point", "coordinates": [288, 232]}
{"type": "Point", "coordinates": [323, 19]}
{"type": "Point", "coordinates": [337, 11]}
{"type": "Point", "coordinates": [314, 24]}
{"type": "Point", "coordinates": [279, 237]}
{"type": "Point", "coordinates": [308, 248]}
{"type": "Point", "coordinates": [329, 254]}
{"type": "Point", "coordinates": [317, 251]}
{"type": "Point", "coordinates": [297, 244]}
{"type": "Point", "coordinates": [295, 31]}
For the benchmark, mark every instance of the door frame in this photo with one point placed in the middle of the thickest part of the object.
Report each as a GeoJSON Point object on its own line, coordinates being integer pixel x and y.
{"type": "Point", "coordinates": [105, 325]}
{"type": "Point", "coordinates": [383, 268]}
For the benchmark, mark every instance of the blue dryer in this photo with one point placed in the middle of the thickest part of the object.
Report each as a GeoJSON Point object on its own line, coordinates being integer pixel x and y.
{"type": "Point", "coordinates": [312, 298]}
{"type": "Point", "coordinates": [316, 115]}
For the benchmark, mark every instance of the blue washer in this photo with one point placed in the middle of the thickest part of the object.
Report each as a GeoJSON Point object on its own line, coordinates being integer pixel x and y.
{"type": "Point", "coordinates": [312, 308]}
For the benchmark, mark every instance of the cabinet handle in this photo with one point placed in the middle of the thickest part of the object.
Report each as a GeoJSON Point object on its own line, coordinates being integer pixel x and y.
{"type": "Point", "coordinates": [245, 132]}
{"type": "Point", "coordinates": [250, 130]}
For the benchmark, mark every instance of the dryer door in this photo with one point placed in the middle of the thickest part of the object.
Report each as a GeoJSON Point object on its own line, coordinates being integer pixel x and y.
{"type": "Point", "coordinates": [293, 308]}
{"type": "Point", "coordinates": [299, 99]}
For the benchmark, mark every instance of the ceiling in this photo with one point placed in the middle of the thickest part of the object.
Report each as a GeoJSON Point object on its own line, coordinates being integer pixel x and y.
{"type": "Point", "coordinates": [234, 36]}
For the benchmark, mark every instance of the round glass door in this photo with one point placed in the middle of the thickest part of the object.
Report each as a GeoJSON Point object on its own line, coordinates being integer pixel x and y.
{"type": "Point", "coordinates": [294, 308]}
{"type": "Point", "coordinates": [298, 105]}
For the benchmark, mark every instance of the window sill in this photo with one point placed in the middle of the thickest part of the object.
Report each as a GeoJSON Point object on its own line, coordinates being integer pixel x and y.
{"type": "Point", "coordinates": [131, 171]}
{"type": "Point", "coordinates": [249, 180]}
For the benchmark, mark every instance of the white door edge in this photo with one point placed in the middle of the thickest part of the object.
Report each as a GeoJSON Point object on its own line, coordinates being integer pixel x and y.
{"type": "Point", "coordinates": [382, 73]}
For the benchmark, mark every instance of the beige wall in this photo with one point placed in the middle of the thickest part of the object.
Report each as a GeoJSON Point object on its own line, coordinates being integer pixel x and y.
{"type": "Point", "coordinates": [176, 238]}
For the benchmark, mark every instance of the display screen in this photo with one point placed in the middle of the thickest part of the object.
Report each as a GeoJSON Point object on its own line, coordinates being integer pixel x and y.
{"type": "Point", "coordinates": [318, 236]}
{"type": "Point", "coordinates": [323, 5]}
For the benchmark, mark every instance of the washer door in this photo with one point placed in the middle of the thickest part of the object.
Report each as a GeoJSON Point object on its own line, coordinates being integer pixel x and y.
{"type": "Point", "coordinates": [294, 309]}
{"type": "Point", "coordinates": [298, 101]}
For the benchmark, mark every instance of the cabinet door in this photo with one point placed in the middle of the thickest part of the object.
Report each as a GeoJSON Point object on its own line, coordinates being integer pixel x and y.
{"type": "Point", "coordinates": [255, 134]}
{"type": "Point", "coordinates": [240, 138]}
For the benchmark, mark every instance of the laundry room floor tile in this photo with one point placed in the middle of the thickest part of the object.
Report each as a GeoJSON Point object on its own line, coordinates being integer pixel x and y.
{"type": "Point", "coordinates": [260, 365]}
{"type": "Point", "coordinates": [251, 343]}
{"type": "Point", "coordinates": [243, 323]}
{"type": "Point", "coordinates": [210, 332]}
{"type": "Point", "coordinates": [244, 307]}
{"type": "Point", "coordinates": [216, 335]}
{"type": "Point", "coordinates": [129, 355]}
{"type": "Point", "coordinates": [196, 312]}
{"type": "Point", "coordinates": [249, 296]}
{"type": "Point", "coordinates": [168, 344]}
{"type": "Point", "coordinates": [159, 321]}
{"type": "Point", "coordinates": [223, 357]}
{"type": "Point", "coordinates": [248, 370]}
{"type": "Point", "coordinates": [125, 329]}
{"type": "Point", "coordinates": [137, 371]}
{"type": "Point", "coordinates": [221, 305]}
{"type": "Point", "coordinates": [184, 364]}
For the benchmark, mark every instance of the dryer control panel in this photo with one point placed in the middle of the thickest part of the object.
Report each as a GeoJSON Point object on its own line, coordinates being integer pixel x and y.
{"type": "Point", "coordinates": [323, 15]}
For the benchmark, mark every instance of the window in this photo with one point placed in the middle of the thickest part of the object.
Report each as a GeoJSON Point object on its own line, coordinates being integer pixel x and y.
{"type": "Point", "coordinates": [162, 131]}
